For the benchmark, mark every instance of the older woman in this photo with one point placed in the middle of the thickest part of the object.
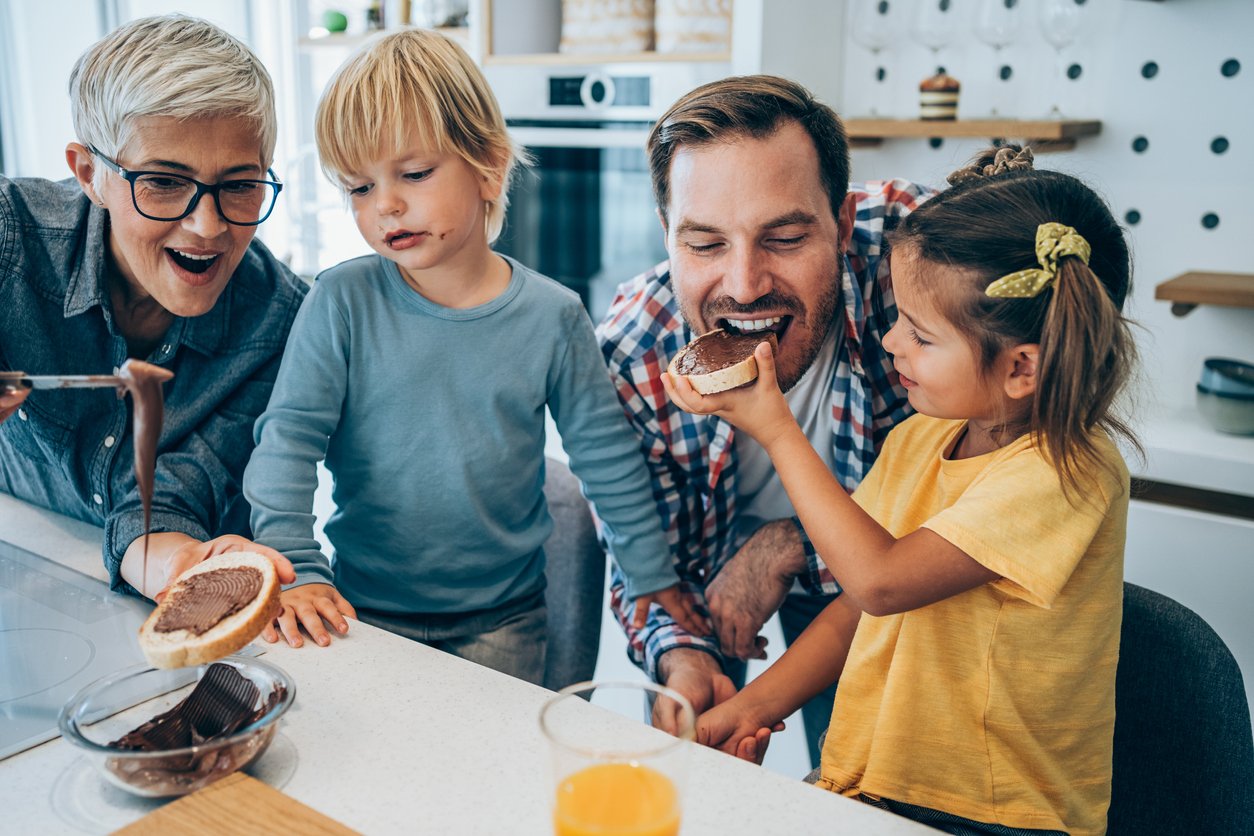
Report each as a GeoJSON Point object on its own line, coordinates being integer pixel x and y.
{"type": "Point", "coordinates": [149, 253]}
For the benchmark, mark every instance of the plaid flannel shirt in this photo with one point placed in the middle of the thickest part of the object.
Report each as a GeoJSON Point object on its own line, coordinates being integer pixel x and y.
{"type": "Point", "coordinates": [691, 458]}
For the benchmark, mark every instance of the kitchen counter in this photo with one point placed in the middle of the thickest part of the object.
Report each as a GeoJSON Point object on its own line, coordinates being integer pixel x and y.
{"type": "Point", "coordinates": [387, 735]}
{"type": "Point", "coordinates": [1182, 449]}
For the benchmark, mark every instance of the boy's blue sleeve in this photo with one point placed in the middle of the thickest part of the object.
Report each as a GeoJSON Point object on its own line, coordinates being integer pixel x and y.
{"type": "Point", "coordinates": [604, 454]}
{"type": "Point", "coordinates": [293, 433]}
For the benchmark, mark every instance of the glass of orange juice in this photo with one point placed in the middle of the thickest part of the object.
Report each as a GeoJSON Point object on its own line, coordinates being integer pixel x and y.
{"type": "Point", "coordinates": [614, 774]}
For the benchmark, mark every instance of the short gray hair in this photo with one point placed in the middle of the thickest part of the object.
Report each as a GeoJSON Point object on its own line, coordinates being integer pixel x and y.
{"type": "Point", "coordinates": [171, 65]}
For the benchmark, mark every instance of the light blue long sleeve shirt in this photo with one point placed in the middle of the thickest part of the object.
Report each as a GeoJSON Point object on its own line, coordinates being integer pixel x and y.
{"type": "Point", "coordinates": [431, 420]}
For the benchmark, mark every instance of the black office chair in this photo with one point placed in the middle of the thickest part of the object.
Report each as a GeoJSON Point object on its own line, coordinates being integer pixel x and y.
{"type": "Point", "coordinates": [1184, 750]}
{"type": "Point", "coordinates": [576, 581]}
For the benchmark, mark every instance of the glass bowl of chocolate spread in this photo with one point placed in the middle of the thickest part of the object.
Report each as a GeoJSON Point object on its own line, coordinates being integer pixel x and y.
{"type": "Point", "coordinates": [167, 732]}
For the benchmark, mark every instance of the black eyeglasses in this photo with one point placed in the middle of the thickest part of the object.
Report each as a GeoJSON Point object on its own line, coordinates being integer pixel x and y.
{"type": "Point", "coordinates": [161, 196]}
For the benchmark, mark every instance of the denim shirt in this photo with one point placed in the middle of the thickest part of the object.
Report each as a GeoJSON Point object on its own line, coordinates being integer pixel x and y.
{"type": "Point", "coordinates": [71, 450]}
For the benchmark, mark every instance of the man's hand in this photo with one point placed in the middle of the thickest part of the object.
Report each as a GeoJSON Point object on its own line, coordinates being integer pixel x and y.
{"type": "Point", "coordinates": [308, 606]}
{"type": "Point", "coordinates": [695, 674]}
{"type": "Point", "coordinates": [681, 607]}
{"type": "Point", "coordinates": [749, 589]}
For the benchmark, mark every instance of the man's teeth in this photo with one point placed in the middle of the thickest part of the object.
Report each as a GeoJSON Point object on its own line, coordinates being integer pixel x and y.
{"type": "Point", "coordinates": [195, 257]}
{"type": "Point", "coordinates": [754, 324]}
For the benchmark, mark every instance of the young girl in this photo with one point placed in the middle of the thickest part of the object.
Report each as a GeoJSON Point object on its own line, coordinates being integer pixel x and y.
{"type": "Point", "coordinates": [982, 556]}
{"type": "Point", "coordinates": [421, 375]}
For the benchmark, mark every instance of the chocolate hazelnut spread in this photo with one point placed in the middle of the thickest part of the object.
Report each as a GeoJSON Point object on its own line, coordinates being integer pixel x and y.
{"type": "Point", "coordinates": [222, 702]}
{"type": "Point", "coordinates": [143, 381]}
{"type": "Point", "coordinates": [720, 349]}
{"type": "Point", "coordinates": [201, 601]}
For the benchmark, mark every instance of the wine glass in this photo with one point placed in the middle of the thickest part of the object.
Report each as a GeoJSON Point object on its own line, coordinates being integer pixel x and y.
{"type": "Point", "coordinates": [871, 28]}
{"type": "Point", "coordinates": [997, 24]}
{"type": "Point", "coordinates": [1061, 22]}
{"type": "Point", "coordinates": [935, 25]}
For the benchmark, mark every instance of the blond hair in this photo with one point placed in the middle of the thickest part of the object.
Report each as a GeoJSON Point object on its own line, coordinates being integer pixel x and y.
{"type": "Point", "coordinates": [171, 65]}
{"type": "Point", "coordinates": [415, 86]}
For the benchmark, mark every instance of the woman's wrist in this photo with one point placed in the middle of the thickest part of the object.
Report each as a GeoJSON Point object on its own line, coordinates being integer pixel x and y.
{"type": "Point", "coordinates": [162, 548]}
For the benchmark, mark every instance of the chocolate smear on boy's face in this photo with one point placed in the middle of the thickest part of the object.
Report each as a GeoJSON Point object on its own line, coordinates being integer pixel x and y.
{"type": "Point", "coordinates": [144, 381]}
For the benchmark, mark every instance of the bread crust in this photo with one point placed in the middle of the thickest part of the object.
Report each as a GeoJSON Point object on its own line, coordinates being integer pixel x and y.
{"type": "Point", "coordinates": [182, 648]}
{"type": "Point", "coordinates": [719, 380]}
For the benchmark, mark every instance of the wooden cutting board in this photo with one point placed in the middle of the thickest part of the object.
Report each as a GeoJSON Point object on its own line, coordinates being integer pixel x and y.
{"type": "Point", "coordinates": [237, 804]}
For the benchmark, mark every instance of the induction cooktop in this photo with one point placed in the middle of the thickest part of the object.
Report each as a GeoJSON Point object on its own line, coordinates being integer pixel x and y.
{"type": "Point", "coordinates": [59, 630]}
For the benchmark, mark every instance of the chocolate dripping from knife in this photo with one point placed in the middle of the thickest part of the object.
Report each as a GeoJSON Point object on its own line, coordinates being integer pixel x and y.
{"type": "Point", "coordinates": [143, 381]}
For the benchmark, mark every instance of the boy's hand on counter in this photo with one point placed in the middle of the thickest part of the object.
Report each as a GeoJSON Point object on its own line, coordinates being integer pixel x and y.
{"type": "Point", "coordinates": [681, 607]}
{"type": "Point", "coordinates": [308, 606]}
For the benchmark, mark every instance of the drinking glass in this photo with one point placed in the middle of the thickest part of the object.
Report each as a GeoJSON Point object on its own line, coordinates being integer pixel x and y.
{"type": "Point", "coordinates": [870, 28]}
{"type": "Point", "coordinates": [612, 771]}
{"type": "Point", "coordinates": [935, 25]}
{"type": "Point", "coordinates": [1061, 22]}
{"type": "Point", "coordinates": [997, 24]}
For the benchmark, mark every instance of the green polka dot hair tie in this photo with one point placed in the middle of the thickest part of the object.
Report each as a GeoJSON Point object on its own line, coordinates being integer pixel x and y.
{"type": "Point", "coordinates": [1053, 241]}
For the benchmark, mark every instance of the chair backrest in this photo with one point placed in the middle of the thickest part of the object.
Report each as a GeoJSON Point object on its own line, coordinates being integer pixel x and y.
{"type": "Point", "coordinates": [1184, 750]}
{"type": "Point", "coordinates": [575, 572]}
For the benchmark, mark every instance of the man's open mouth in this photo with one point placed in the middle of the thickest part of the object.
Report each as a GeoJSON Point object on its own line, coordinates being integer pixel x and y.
{"type": "Point", "coordinates": [739, 325]}
{"type": "Point", "coordinates": [192, 263]}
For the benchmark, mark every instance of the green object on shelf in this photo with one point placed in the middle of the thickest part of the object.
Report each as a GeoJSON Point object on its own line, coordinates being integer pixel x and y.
{"type": "Point", "coordinates": [334, 21]}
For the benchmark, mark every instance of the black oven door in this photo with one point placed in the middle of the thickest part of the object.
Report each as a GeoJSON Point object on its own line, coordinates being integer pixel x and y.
{"type": "Point", "coordinates": [584, 213]}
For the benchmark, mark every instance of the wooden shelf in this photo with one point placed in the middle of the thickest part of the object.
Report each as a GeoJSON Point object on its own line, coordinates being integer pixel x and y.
{"type": "Point", "coordinates": [1188, 290]}
{"type": "Point", "coordinates": [1040, 134]}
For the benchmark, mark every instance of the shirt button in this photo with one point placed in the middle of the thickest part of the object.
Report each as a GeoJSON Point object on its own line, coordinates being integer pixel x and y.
{"type": "Point", "coordinates": [165, 349]}
{"type": "Point", "coordinates": [97, 498]}
{"type": "Point", "coordinates": [21, 413]}
{"type": "Point", "coordinates": [109, 441]}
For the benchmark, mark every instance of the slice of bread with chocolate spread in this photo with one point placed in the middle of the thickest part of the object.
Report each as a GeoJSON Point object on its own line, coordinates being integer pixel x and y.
{"type": "Point", "coordinates": [720, 360]}
{"type": "Point", "coordinates": [212, 610]}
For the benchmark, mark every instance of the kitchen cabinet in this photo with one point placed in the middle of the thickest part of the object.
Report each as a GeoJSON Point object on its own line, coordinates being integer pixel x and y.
{"type": "Point", "coordinates": [798, 39]}
{"type": "Point", "coordinates": [1204, 561]}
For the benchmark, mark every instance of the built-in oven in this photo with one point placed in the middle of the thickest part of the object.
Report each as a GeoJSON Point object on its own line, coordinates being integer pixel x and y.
{"type": "Point", "coordinates": [584, 213]}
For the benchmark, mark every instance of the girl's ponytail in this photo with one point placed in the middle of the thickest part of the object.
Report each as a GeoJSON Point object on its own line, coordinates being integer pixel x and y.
{"type": "Point", "coordinates": [1086, 347]}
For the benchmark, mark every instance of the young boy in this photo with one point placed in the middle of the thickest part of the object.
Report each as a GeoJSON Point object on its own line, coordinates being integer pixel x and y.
{"type": "Point", "coordinates": [421, 374]}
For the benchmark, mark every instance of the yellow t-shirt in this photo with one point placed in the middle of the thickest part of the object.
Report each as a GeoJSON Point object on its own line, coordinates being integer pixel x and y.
{"type": "Point", "coordinates": [997, 704]}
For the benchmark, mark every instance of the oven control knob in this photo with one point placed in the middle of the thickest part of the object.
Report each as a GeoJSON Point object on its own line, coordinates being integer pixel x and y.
{"type": "Point", "coordinates": [596, 91]}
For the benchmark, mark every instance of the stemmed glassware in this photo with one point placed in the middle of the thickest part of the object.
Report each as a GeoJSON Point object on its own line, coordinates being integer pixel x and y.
{"type": "Point", "coordinates": [871, 29]}
{"type": "Point", "coordinates": [997, 24]}
{"type": "Point", "coordinates": [1061, 22]}
{"type": "Point", "coordinates": [935, 25]}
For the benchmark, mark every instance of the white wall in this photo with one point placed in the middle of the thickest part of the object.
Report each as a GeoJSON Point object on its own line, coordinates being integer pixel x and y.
{"type": "Point", "coordinates": [1172, 184]}
{"type": "Point", "coordinates": [35, 77]}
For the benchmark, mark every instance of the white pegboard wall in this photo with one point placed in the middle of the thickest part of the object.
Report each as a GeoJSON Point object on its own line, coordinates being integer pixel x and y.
{"type": "Point", "coordinates": [1173, 183]}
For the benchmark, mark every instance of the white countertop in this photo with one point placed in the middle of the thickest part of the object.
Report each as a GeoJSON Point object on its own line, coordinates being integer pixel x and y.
{"type": "Point", "coordinates": [388, 736]}
{"type": "Point", "coordinates": [1182, 449]}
